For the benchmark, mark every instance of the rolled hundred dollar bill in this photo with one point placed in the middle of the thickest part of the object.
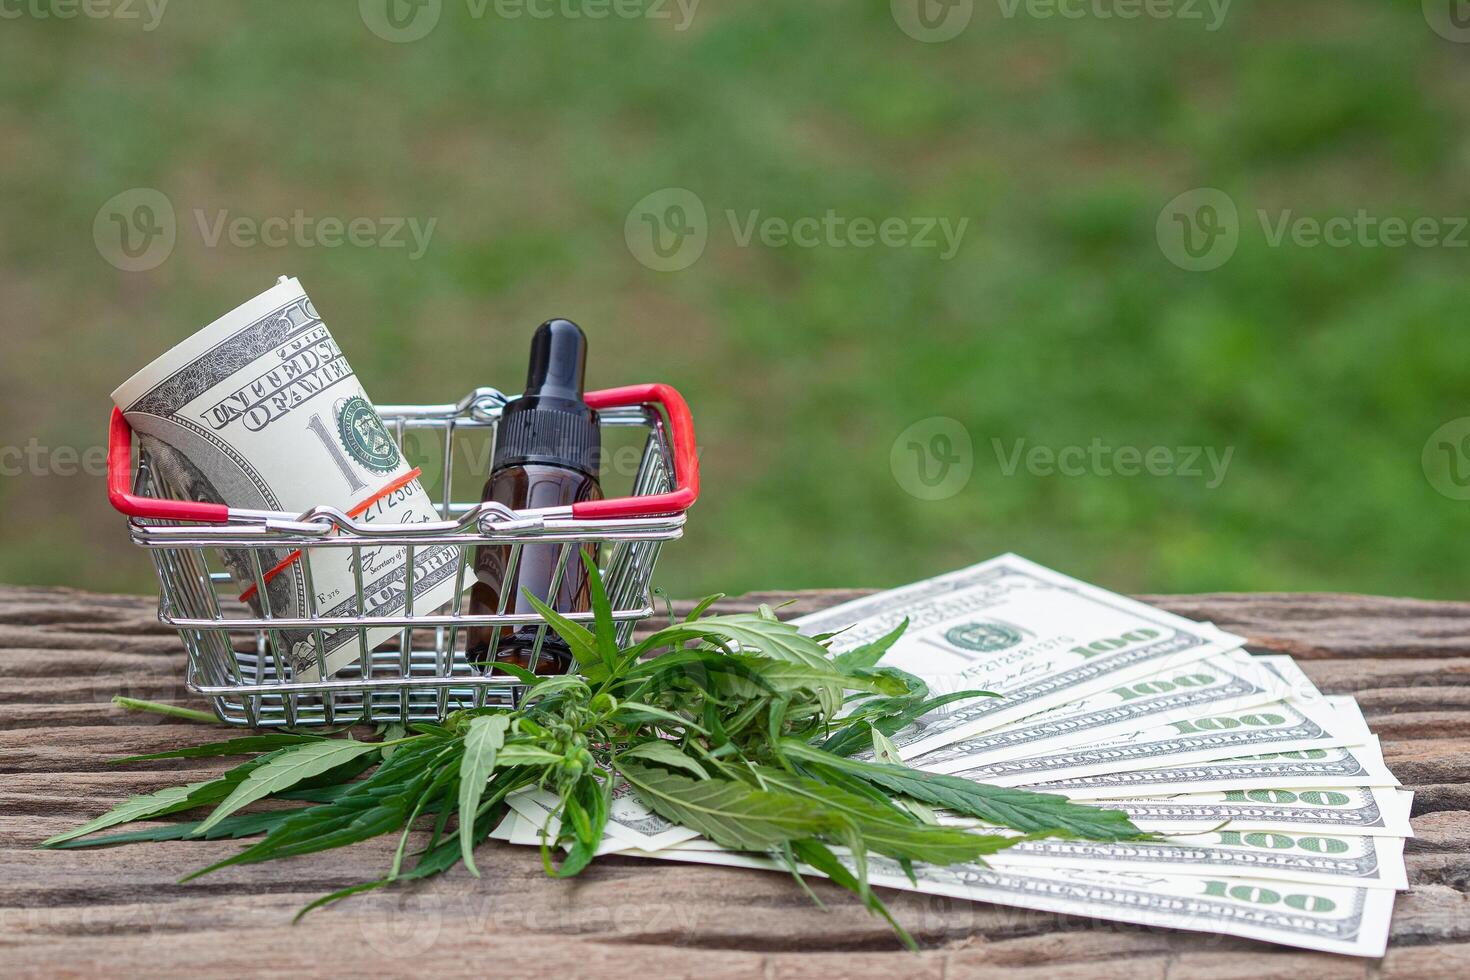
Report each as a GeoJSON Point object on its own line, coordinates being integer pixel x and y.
{"type": "Point", "coordinates": [261, 411]}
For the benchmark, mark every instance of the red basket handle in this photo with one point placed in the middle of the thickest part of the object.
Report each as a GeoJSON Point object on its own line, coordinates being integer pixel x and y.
{"type": "Point", "coordinates": [686, 467]}
{"type": "Point", "coordinates": [119, 477]}
{"type": "Point", "coordinates": [686, 456]}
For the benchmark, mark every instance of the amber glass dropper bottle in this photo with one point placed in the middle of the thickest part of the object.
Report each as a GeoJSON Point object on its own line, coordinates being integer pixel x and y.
{"type": "Point", "coordinates": [546, 455]}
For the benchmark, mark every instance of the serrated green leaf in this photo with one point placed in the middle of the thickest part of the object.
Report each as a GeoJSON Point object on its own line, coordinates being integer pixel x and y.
{"type": "Point", "coordinates": [785, 677]}
{"type": "Point", "coordinates": [889, 717]}
{"type": "Point", "coordinates": [285, 770]}
{"type": "Point", "coordinates": [245, 745]}
{"type": "Point", "coordinates": [578, 638]}
{"type": "Point", "coordinates": [585, 815]}
{"type": "Point", "coordinates": [1018, 809]}
{"type": "Point", "coordinates": [519, 673]}
{"type": "Point", "coordinates": [820, 857]}
{"type": "Point", "coordinates": [884, 750]}
{"type": "Point", "coordinates": [527, 755]}
{"type": "Point", "coordinates": [311, 832]}
{"type": "Point", "coordinates": [887, 830]}
{"type": "Point", "coordinates": [632, 713]}
{"type": "Point", "coordinates": [606, 633]}
{"type": "Point", "coordinates": [665, 754]}
{"type": "Point", "coordinates": [548, 686]}
{"type": "Point", "coordinates": [429, 728]}
{"type": "Point", "coordinates": [867, 656]}
{"type": "Point", "coordinates": [172, 799]}
{"type": "Point", "coordinates": [730, 813]}
{"type": "Point", "coordinates": [702, 606]}
{"type": "Point", "coordinates": [482, 744]}
{"type": "Point", "coordinates": [233, 828]}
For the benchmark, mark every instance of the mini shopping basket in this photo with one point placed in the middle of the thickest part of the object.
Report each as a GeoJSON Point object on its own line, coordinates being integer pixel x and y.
{"type": "Point", "coordinates": [422, 675]}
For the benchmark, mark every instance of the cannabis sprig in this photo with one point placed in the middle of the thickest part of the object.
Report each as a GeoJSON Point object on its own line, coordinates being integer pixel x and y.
{"type": "Point", "coordinates": [737, 726]}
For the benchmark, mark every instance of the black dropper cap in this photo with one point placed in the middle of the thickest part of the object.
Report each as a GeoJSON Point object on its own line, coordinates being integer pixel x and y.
{"type": "Point", "coordinates": [551, 424]}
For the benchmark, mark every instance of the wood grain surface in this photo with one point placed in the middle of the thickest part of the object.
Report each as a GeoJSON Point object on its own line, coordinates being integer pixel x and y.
{"type": "Point", "coordinates": [121, 912]}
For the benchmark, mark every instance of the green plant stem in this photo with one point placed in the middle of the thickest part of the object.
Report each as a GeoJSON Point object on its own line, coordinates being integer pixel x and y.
{"type": "Point", "coordinates": [172, 710]}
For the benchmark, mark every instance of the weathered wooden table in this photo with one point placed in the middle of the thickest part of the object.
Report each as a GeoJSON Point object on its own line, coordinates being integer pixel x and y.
{"type": "Point", "coordinates": [121, 911]}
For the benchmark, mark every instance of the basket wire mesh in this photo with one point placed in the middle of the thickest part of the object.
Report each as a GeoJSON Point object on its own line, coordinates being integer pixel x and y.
{"type": "Point", "coordinates": [422, 674]}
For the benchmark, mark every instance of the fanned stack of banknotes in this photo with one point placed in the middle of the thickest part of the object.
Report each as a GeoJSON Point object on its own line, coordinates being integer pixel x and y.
{"type": "Point", "coordinates": [1280, 821]}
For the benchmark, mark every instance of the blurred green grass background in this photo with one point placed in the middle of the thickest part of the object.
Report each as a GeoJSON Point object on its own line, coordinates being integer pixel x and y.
{"type": "Point", "coordinates": [1059, 321]}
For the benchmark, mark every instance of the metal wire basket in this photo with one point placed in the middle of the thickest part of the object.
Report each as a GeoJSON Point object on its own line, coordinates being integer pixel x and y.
{"type": "Point", "coordinates": [423, 674]}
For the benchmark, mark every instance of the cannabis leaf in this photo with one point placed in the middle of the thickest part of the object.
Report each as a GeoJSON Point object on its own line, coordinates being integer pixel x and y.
{"type": "Point", "coordinates": [287, 769]}
{"type": "Point", "coordinates": [482, 741]}
{"type": "Point", "coordinates": [737, 726]}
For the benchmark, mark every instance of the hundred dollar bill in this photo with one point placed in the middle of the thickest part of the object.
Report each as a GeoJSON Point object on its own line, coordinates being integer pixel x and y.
{"type": "Point", "coordinates": [1371, 811]}
{"type": "Point", "coordinates": [1282, 725]}
{"type": "Point", "coordinates": [1038, 638]}
{"type": "Point", "coordinates": [1220, 683]}
{"type": "Point", "coordinates": [261, 411]}
{"type": "Point", "coordinates": [517, 828]}
{"type": "Point", "coordinates": [506, 828]}
{"type": "Point", "coordinates": [1349, 765]}
{"type": "Point", "coordinates": [1369, 862]}
{"type": "Point", "coordinates": [1291, 674]}
{"type": "Point", "coordinates": [1337, 919]}
{"type": "Point", "coordinates": [1329, 918]}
